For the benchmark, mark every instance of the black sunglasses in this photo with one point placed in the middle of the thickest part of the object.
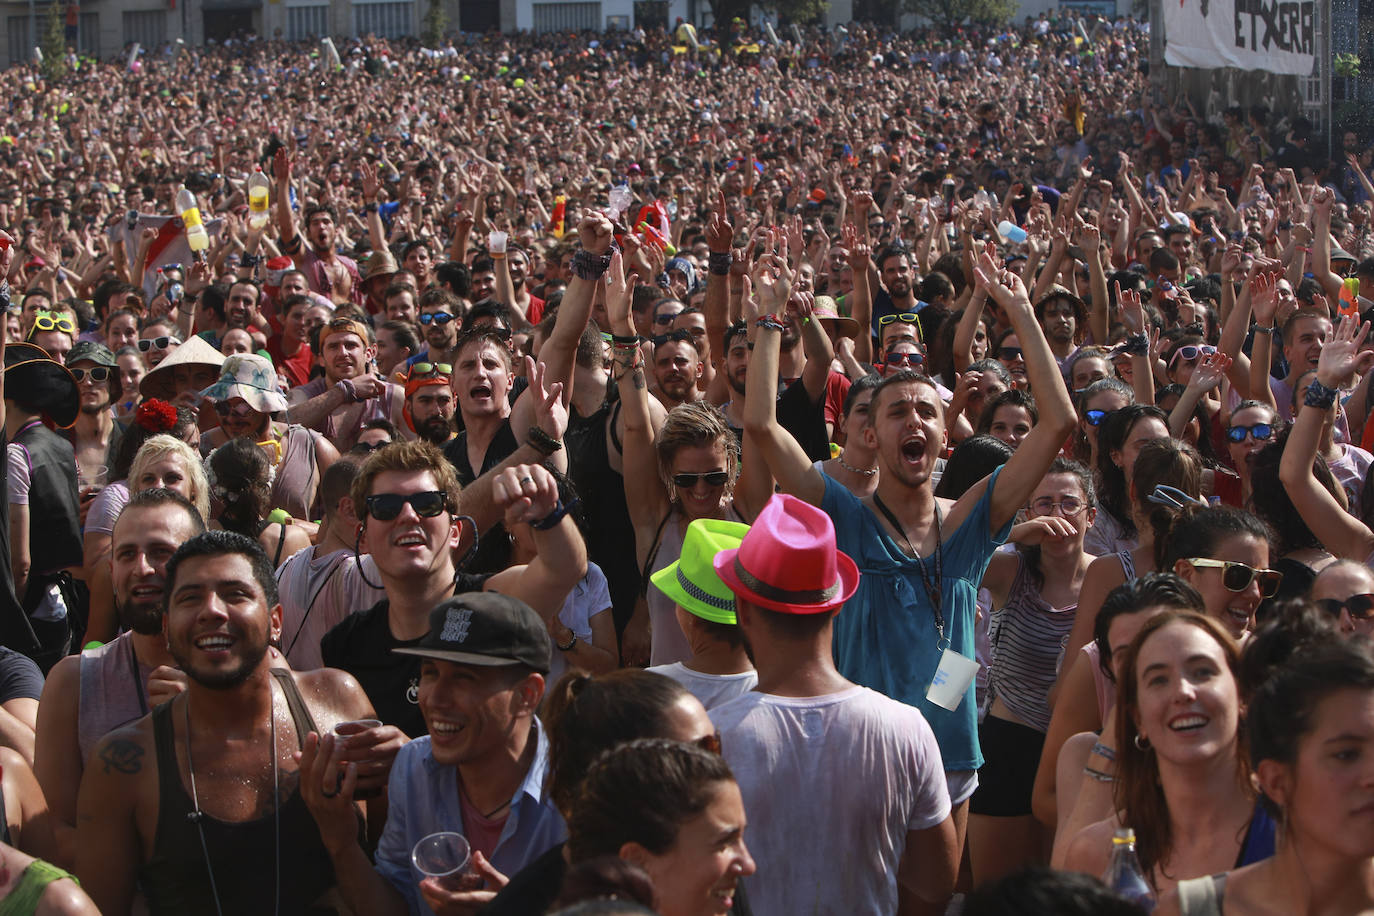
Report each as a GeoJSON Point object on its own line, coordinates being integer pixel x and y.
{"type": "Point", "coordinates": [1259, 432]}
{"type": "Point", "coordinates": [156, 343]}
{"type": "Point", "coordinates": [439, 318]}
{"type": "Point", "coordinates": [681, 334]}
{"type": "Point", "coordinates": [386, 506]}
{"type": "Point", "coordinates": [97, 374]}
{"type": "Point", "coordinates": [1009, 353]}
{"type": "Point", "coordinates": [1361, 607]}
{"type": "Point", "coordinates": [712, 478]}
{"type": "Point", "coordinates": [362, 448]}
{"type": "Point", "coordinates": [665, 319]}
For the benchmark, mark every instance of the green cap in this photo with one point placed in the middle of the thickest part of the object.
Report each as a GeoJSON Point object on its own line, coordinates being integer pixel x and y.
{"type": "Point", "coordinates": [691, 581]}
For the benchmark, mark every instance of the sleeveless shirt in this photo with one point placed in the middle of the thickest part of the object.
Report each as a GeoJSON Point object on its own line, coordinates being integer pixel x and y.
{"type": "Point", "coordinates": [669, 643]}
{"type": "Point", "coordinates": [245, 856]}
{"type": "Point", "coordinates": [1027, 642]}
{"type": "Point", "coordinates": [113, 691]}
{"type": "Point", "coordinates": [610, 537]}
{"type": "Point", "coordinates": [298, 474]}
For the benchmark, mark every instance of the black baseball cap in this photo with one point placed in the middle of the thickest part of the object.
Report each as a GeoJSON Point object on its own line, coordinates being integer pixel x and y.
{"type": "Point", "coordinates": [487, 629]}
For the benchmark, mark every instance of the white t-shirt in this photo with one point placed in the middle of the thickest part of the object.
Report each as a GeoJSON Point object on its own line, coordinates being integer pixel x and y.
{"type": "Point", "coordinates": [831, 787]}
{"type": "Point", "coordinates": [589, 597]}
{"type": "Point", "coordinates": [711, 689]}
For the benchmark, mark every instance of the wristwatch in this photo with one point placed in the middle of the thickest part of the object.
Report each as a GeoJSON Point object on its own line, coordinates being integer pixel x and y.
{"type": "Point", "coordinates": [571, 644]}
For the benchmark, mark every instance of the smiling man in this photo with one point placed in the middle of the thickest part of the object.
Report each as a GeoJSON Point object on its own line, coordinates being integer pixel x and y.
{"type": "Point", "coordinates": [480, 771]}
{"type": "Point", "coordinates": [349, 394]}
{"type": "Point", "coordinates": [677, 369]}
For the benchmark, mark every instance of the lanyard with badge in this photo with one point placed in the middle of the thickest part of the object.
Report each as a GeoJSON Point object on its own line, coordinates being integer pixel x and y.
{"type": "Point", "coordinates": [954, 673]}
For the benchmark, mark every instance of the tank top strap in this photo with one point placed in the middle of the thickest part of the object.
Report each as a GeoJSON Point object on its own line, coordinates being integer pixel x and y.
{"type": "Point", "coordinates": [615, 417]}
{"type": "Point", "coordinates": [300, 713]}
{"type": "Point", "coordinates": [164, 745]}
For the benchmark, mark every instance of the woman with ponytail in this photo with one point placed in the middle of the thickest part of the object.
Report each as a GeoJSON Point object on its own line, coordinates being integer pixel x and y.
{"type": "Point", "coordinates": [241, 481]}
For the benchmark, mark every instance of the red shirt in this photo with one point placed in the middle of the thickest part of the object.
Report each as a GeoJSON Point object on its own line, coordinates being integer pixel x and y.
{"type": "Point", "coordinates": [294, 368]}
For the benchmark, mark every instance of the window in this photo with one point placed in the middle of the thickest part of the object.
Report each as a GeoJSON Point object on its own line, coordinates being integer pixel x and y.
{"type": "Point", "coordinates": [306, 22]}
{"type": "Point", "coordinates": [20, 45]}
{"type": "Point", "coordinates": [148, 28]}
{"type": "Point", "coordinates": [88, 41]}
{"type": "Point", "coordinates": [567, 17]}
{"type": "Point", "coordinates": [385, 20]}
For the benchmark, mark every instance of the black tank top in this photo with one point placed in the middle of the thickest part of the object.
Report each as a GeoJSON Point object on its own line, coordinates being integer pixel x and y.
{"type": "Point", "coordinates": [176, 880]}
{"type": "Point", "coordinates": [610, 537]}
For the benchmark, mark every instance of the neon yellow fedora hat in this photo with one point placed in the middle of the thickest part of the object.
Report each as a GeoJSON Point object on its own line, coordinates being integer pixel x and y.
{"type": "Point", "coordinates": [691, 580]}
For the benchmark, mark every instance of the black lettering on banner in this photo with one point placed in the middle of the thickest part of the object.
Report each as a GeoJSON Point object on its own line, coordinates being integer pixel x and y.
{"type": "Point", "coordinates": [1285, 25]}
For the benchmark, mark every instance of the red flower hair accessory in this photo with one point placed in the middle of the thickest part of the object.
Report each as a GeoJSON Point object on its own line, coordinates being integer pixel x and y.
{"type": "Point", "coordinates": [156, 416]}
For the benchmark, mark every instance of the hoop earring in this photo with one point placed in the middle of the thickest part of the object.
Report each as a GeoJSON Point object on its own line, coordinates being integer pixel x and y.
{"type": "Point", "coordinates": [1142, 743]}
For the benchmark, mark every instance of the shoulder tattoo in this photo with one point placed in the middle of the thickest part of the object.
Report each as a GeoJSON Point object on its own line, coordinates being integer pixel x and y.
{"type": "Point", "coordinates": [122, 756]}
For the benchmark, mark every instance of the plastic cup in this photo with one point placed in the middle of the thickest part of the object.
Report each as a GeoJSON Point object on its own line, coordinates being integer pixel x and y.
{"type": "Point", "coordinates": [441, 855]}
{"type": "Point", "coordinates": [496, 242]}
{"type": "Point", "coordinates": [353, 726]}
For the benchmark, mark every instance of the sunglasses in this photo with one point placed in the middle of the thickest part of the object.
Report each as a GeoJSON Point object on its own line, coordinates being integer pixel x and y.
{"type": "Point", "coordinates": [712, 478]}
{"type": "Point", "coordinates": [681, 334]}
{"type": "Point", "coordinates": [904, 318]}
{"type": "Point", "coordinates": [1190, 352]}
{"type": "Point", "coordinates": [906, 359]}
{"type": "Point", "coordinates": [1361, 607]}
{"type": "Point", "coordinates": [237, 411]}
{"type": "Point", "coordinates": [1260, 432]}
{"type": "Point", "coordinates": [1237, 576]}
{"type": "Point", "coordinates": [427, 504]}
{"type": "Point", "coordinates": [361, 448]}
{"type": "Point", "coordinates": [665, 319]}
{"type": "Point", "coordinates": [48, 323]}
{"type": "Point", "coordinates": [1095, 417]}
{"type": "Point", "coordinates": [1007, 354]}
{"type": "Point", "coordinates": [419, 370]}
{"type": "Point", "coordinates": [157, 343]}
{"type": "Point", "coordinates": [439, 318]}
{"type": "Point", "coordinates": [97, 374]}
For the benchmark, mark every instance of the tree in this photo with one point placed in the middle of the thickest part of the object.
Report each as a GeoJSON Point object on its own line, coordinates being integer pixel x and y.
{"type": "Point", "coordinates": [435, 24]}
{"type": "Point", "coordinates": [802, 11]}
{"type": "Point", "coordinates": [54, 45]}
{"type": "Point", "coordinates": [948, 14]}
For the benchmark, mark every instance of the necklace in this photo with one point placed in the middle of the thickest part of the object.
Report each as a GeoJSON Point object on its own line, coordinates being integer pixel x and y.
{"type": "Point", "coordinates": [862, 472]}
{"type": "Point", "coordinates": [198, 817]}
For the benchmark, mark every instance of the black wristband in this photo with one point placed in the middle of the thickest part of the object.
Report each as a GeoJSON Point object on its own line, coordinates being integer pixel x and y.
{"type": "Point", "coordinates": [1263, 329]}
{"type": "Point", "coordinates": [370, 207]}
{"type": "Point", "coordinates": [1136, 345]}
{"type": "Point", "coordinates": [590, 266]}
{"type": "Point", "coordinates": [542, 442]}
{"type": "Point", "coordinates": [1284, 225]}
{"type": "Point", "coordinates": [554, 517]}
{"type": "Point", "coordinates": [630, 341]}
{"type": "Point", "coordinates": [250, 260]}
{"type": "Point", "coordinates": [719, 263]}
{"type": "Point", "coordinates": [1318, 395]}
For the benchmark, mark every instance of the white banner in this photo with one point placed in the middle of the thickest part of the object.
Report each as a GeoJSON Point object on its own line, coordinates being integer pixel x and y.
{"type": "Point", "coordinates": [1274, 35]}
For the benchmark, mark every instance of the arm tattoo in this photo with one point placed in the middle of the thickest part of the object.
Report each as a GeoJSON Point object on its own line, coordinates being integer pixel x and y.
{"type": "Point", "coordinates": [638, 379]}
{"type": "Point", "coordinates": [123, 756]}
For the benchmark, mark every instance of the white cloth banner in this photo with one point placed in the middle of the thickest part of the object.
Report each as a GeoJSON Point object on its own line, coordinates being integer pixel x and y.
{"type": "Point", "coordinates": [1274, 35]}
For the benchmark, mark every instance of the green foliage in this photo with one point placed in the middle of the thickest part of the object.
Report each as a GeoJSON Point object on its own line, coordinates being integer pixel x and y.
{"type": "Point", "coordinates": [54, 44]}
{"type": "Point", "coordinates": [947, 14]}
{"type": "Point", "coordinates": [435, 24]}
{"type": "Point", "coordinates": [794, 10]}
{"type": "Point", "coordinates": [1347, 65]}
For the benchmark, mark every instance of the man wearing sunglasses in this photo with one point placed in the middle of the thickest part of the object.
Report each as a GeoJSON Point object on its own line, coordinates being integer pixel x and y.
{"type": "Point", "coordinates": [439, 324]}
{"type": "Point", "coordinates": [407, 499]}
{"type": "Point", "coordinates": [923, 557]}
{"type": "Point", "coordinates": [54, 332]}
{"type": "Point", "coordinates": [93, 435]}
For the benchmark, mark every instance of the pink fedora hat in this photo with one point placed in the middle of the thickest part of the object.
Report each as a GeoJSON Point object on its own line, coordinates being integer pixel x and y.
{"type": "Point", "coordinates": [788, 561]}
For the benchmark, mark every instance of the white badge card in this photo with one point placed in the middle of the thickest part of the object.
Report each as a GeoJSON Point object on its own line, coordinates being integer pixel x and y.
{"type": "Point", "coordinates": [952, 680]}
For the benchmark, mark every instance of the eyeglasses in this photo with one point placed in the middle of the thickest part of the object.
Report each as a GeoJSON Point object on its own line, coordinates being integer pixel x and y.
{"type": "Point", "coordinates": [386, 506]}
{"type": "Point", "coordinates": [1190, 352]}
{"type": "Point", "coordinates": [157, 343]}
{"type": "Point", "coordinates": [1260, 432]}
{"type": "Point", "coordinates": [97, 374]}
{"type": "Point", "coordinates": [420, 370]}
{"type": "Point", "coordinates": [1237, 576]}
{"type": "Point", "coordinates": [680, 334]}
{"type": "Point", "coordinates": [237, 411]}
{"type": "Point", "coordinates": [906, 359]}
{"type": "Point", "coordinates": [46, 322]}
{"type": "Point", "coordinates": [1007, 354]}
{"type": "Point", "coordinates": [1361, 607]}
{"type": "Point", "coordinates": [1095, 417]}
{"type": "Point", "coordinates": [362, 448]}
{"type": "Point", "coordinates": [712, 478]}
{"type": "Point", "coordinates": [904, 318]}
{"type": "Point", "coordinates": [1068, 506]}
{"type": "Point", "coordinates": [439, 318]}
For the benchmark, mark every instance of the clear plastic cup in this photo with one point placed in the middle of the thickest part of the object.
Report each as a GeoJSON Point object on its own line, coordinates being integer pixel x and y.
{"type": "Point", "coordinates": [496, 242]}
{"type": "Point", "coordinates": [442, 855]}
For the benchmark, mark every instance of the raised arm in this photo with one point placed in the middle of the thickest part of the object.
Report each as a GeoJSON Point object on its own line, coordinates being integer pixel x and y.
{"type": "Point", "coordinates": [1322, 201]}
{"type": "Point", "coordinates": [376, 231]}
{"type": "Point", "coordinates": [1263, 294]}
{"type": "Point", "coordinates": [1341, 533]}
{"type": "Point", "coordinates": [1037, 451]}
{"type": "Point", "coordinates": [286, 220]}
{"type": "Point", "coordinates": [720, 237]}
{"type": "Point", "coordinates": [860, 299]}
{"type": "Point", "coordinates": [529, 494]}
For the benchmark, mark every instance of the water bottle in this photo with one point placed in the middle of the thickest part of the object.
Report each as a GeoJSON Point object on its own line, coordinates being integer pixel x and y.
{"type": "Point", "coordinates": [1124, 875]}
{"type": "Point", "coordinates": [258, 190]}
{"type": "Point", "coordinates": [190, 218]}
{"type": "Point", "coordinates": [619, 201]}
{"type": "Point", "coordinates": [1011, 232]}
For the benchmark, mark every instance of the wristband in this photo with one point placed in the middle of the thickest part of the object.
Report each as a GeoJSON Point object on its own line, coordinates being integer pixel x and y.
{"type": "Point", "coordinates": [542, 442]}
{"type": "Point", "coordinates": [554, 517]}
{"type": "Point", "coordinates": [719, 263]}
{"type": "Point", "coordinates": [1106, 753]}
{"type": "Point", "coordinates": [590, 266]}
{"type": "Point", "coordinates": [1318, 395]}
{"type": "Point", "coordinates": [349, 392]}
{"type": "Point", "coordinates": [769, 321]}
{"type": "Point", "coordinates": [370, 207]}
{"type": "Point", "coordinates": [1284, 225]}
{"type": "Point", "coordinates": [1261, 329]}
{"type": "Point", "coordinates": [250, 260]}
{"type": "Point", "coordinates": [1098, 775]}
{"type": "Point", "coordinates": [569, 647]}
{"type": "Point", "coordinates": [631, 340]}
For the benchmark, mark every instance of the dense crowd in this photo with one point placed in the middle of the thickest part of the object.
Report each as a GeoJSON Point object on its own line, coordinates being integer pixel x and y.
{"type": "Point", "coordinates": [972, 448]}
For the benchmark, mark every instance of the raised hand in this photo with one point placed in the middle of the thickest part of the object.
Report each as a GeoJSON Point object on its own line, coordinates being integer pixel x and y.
{"type": "Point", "coordinates": [1264, 297]}
{"type": "Point", "coordinates": [618, 295]}
{"type": "Point", "coordinates": [550, 414]}
{"type": "Point", "coordinates": [371, 184]}
{"type": "Point", "coordinates": [1003, 286]}
{"type": "Point", "coordinates": [594, 231]}
{"type": "Point", "coordinates": [1209, 371]}
{"type": "Point", "coordinates": [720, 234]}
{"type": "Point", "coordinates": [1341, 357]}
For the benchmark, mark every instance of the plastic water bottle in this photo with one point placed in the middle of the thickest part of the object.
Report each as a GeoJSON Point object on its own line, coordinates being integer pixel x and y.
{"type": "Point", "coordinates": [1124, 874]}
{"type": "Point", "coordinates": [619, 201]}
{"type": "Point", "coordinates": [1011, 232]}
{"type": "Point", "coordinates": [190, 218]}
{"type": "Point", "coordinates": [258, 190]}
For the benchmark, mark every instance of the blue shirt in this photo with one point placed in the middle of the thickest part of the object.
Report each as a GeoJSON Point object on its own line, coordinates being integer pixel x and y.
{"type": "Point", "coordinates": [424, 800]}
{"type": "Point", "coordinates": [885, 637]}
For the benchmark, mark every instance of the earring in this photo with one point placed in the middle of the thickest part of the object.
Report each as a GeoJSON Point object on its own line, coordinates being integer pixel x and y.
{"type": "Point", "coordinates": [1141, 742]}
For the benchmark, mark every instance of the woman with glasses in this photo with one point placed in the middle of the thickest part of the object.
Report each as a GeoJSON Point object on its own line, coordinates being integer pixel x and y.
{"type": "Point", "coordinates": [1182, 780]}
{"type": "Point", "coordinates": [1008, 352]}
{"type": "Point", "coordinates": [245, 398]}
{"type": "Point", "coordinates": [1345, 591]}
{"type": "Point", "coordinates": [685, 470]}
{"type": "Point", "coordinates": [902, 355]}
{"type": "Point", "coordinates": [1223, 553]}
{"type": "Point", "coordinates": [1094, 403]}
{"type": "Point", "coordinates": [1188, 352]}
{"type": "Point", "coordinates": [1035, 591]}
